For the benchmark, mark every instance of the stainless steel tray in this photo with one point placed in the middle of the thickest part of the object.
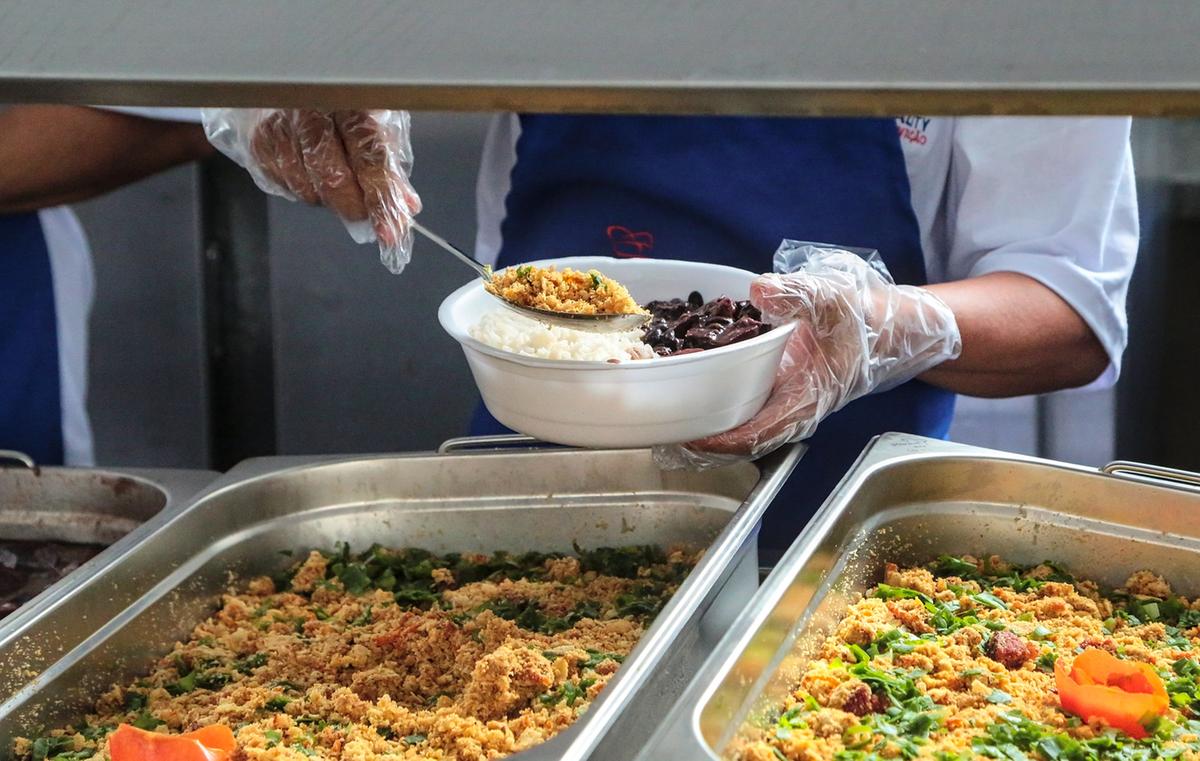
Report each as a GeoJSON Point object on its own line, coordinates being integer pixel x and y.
{"type": "Point", "coordinates": [86, 505]}
{"type": "Point", "coordinates": [492, 500]}
{"type": "Point", "coordinates": [77, 505]}
{"type": "Point", "coordinates": [906, 500]}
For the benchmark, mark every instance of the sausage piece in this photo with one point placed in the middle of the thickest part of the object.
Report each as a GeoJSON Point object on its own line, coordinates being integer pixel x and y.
{"type": "Point", "coordinates": [1008, 649]}
{"type": "Point", "coordinates": [862, 701]}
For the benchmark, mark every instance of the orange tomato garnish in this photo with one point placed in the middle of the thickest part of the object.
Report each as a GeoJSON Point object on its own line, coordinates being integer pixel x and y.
{"type": "Point", "coordinates": [1125, 694]}
{"type": "Point", "coordinates": [213, 743]}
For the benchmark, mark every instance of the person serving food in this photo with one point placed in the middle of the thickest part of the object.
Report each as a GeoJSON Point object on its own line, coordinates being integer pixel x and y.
{"type": "Point", "coordinates": [1008, 245]}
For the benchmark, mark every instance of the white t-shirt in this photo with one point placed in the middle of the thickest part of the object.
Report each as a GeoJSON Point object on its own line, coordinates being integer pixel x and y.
{"type": "Point", "coordinates": [1052, 198]}
{"type": "Point", "coordinates": [74, 290]}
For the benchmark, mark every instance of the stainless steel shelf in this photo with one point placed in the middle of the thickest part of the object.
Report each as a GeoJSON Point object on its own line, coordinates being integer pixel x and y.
{"type": "Point", "coordinates": [668, 56]}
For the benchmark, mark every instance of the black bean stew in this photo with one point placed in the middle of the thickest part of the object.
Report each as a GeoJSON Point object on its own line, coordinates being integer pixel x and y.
{"type": "Point", "coordinates": [27, 568]}
{"type": "Point", "coordinates": [683, 327]}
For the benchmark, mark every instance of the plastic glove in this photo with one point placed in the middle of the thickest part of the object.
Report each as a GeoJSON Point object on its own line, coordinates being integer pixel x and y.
{"type": "Point", "coordinates": [857, 332]}
{"type": "Point", "coordinates": [356, 163]}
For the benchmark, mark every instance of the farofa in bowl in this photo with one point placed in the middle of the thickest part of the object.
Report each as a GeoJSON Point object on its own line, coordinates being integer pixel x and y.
{"type": "Point", "coordinates": [394, 654]}
{"type": "Point", "coordinates": [968, 659]}
{"type": "Point", "coordinates": [567, 290]}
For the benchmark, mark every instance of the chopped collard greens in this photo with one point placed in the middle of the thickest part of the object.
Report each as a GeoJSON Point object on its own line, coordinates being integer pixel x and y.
{"type": "Point", "coordinates": [394, 654]}
{"type": "Point", "coordinates": [957, 661]}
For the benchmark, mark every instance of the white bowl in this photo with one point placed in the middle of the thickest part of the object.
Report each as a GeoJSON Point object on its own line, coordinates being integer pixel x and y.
{"type": "Point", "coordinates": [637, 403]}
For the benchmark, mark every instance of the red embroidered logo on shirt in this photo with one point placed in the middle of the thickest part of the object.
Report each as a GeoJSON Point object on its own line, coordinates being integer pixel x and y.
{"type": "Point", "coordinates": [627, 244]}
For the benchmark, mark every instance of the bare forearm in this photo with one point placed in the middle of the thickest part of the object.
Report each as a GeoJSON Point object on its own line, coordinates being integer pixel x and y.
{"type": "Point", "coordinates": [1018, 337]}
{"type": "Point", "coordinates": [50, 155]}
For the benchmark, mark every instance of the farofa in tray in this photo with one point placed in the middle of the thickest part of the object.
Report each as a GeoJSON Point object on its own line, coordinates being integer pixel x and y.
{"type": "Point", "coordinates": [969, 659]}
{"type": "Point", "coordinates": [568, 290]}
{"type": "Point", "coordinates": [395, 654]}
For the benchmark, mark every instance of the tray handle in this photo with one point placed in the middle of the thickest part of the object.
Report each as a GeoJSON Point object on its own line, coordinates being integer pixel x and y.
{"type": "Point", "coordinates": [18, 457]}
{"type": "Point", "coordinates": [1140, 471]}
{"type": "Point", "coordinates": [485, 442]}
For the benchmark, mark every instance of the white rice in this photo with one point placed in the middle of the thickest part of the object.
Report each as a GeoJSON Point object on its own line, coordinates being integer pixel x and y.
{"type": "Point", "coordinates": [516, 333]}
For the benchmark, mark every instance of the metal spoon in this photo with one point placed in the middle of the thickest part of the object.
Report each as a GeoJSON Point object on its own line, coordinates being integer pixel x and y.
{"type": "Point", "coordinates": [597, 323]}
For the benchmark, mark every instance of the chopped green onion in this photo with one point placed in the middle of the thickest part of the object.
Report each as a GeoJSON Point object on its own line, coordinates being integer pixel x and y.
{"type": "Point", "coordinates": [277, 703]}
{"type": "Point", "coordinates": [990, 600]}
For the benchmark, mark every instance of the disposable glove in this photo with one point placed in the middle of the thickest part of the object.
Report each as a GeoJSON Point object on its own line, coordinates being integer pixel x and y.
{"type": "Point", "coordinates": [856, 332]}
{"type": "Point", "coordinates": [356, 163]}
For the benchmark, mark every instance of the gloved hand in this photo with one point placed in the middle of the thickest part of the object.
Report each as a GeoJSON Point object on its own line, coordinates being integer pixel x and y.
{"type": "Point", "coordinates": [356, 163]}
{"type": "Point", "coordinates": [856, 332]}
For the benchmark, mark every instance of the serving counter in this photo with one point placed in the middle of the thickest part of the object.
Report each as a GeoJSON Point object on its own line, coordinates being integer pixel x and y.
{"type": "Point", "coordinates": [906, 498]}
{"type": "Point", "coordinates": [722, 651]}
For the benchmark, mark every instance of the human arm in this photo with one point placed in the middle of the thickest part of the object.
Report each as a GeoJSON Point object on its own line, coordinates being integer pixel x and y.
{"type": "Point", "coordinates": [1041, 231]}
{"type": "Point", "coordinates": [856, 332]}
{"type": "Point", "coordinates": [1041, 235]}
{"type": "Point", "coordinates": [51, 155]}
{"type": "Point", "coordinates": [1018, 337]}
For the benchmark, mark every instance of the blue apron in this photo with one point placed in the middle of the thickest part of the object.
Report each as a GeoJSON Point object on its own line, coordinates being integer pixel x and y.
{"type": "Point", "coordinates": [728, 190]}
{"type": "Point", "coordinates": [30, 403]}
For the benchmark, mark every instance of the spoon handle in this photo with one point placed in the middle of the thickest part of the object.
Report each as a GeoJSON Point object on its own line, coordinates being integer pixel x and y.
{"type": "Point", "coordinates": [483, 271]}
